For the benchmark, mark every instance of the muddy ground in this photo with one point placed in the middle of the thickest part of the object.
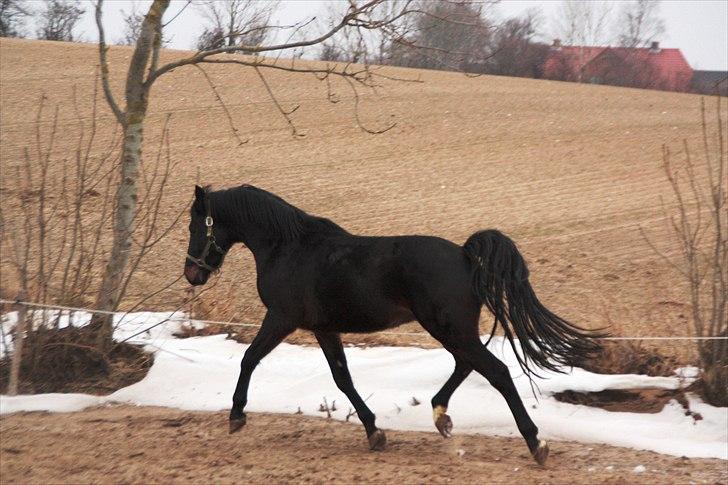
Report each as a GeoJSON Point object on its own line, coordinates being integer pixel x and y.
{"type": "Point", "coordinates": [124, 444]}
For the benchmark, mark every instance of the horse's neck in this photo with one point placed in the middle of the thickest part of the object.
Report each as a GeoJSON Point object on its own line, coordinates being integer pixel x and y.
{"type": "Point", "coordinates": [256, 239]}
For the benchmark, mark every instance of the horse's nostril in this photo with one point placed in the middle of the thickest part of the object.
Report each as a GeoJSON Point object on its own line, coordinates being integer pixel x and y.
{"type": "Point", "coordinates": [191, 273]}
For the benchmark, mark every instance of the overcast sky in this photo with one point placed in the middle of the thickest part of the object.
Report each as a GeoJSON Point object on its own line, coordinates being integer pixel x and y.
{"type": "Point", "coordinates": [698, 27]}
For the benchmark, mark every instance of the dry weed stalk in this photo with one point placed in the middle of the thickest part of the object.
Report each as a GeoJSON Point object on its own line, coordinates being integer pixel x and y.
{"type": "Point", "coordinates": [699, 224]}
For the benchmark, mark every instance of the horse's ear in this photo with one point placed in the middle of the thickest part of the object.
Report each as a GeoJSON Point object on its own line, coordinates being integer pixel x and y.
{"type": "Point", "coordinates": [199, 203]}
{"type": "Point", "coordinates": [199, 193]}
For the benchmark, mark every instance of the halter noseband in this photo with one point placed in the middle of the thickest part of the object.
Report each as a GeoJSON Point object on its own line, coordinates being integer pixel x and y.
{"type": "Point", "coordinates": [211, 243]}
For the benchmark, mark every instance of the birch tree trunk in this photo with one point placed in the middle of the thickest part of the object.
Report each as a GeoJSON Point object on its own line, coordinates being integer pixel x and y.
{"type": "Point", "coordinates": [137, 94]}
{"type": "Point", "coordinates": [126, 201]}
{"type": "Point", "coordinates": [18, 339]}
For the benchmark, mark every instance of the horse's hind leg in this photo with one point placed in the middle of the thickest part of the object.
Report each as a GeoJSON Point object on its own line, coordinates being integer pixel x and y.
{"type": "Point", "coordinates": [443, 423]}
{"type": "Point", "coordinates": [462, 340]}
{"type": "Point", "coordinates": [272, 332]}
{"type": "Point", "coordinates": [334, 351]}
{"type": "Point", "coordinates": [496, 372]}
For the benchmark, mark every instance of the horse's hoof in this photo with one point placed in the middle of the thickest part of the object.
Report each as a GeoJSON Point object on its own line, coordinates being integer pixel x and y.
{"type": "Point", "coordinates": [443, 423]}
{"type": "Point", "coordinates": [236, 424]}
{"type": "Point", "coordinates": [377, 441]}
{"type": "Point", "coordinates": [542, 452]}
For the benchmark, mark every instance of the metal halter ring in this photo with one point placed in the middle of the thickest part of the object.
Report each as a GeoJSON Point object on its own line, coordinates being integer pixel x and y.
{"type": "Point", "coordinates": [211, 243]}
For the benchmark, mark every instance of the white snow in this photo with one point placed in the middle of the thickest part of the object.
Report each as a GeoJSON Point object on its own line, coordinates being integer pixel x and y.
{"type": "Point", "coordinates": [200, 374]}
{"type": "Point", "coordinates": [639, 469]}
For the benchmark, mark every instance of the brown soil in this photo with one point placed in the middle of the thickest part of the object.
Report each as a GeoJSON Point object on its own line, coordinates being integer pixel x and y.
{"type": "Point", "coordinates": [571, 172]}
{"type": "Point", "coordinates": [629, 400]}
{"type": "Point", "coordinates": [156, 445]}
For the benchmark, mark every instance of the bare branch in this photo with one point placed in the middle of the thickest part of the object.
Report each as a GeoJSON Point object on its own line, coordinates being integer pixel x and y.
{"type": "Point", "coordinates": [203, 55]}
{"type": "Point", "coordinates": [231, 123]}
{"type": "Point", "coordinates": [356, 112]}
{"type": "Point", "coordinates": [283, 112]}
{"type": "Point", "coordinates": [120, 116]}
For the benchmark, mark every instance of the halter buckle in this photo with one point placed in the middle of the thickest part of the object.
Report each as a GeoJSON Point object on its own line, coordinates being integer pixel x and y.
{"type": "Point", "coordinates": [208, 221]}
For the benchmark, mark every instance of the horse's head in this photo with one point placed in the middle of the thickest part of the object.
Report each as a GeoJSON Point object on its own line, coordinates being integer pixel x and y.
{"type": "Point", "coordinates": [209, 240]}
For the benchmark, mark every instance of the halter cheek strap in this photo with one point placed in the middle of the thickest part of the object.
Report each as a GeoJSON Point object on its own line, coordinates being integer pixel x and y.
{"type": "Point", "coordinates": [210, 244]}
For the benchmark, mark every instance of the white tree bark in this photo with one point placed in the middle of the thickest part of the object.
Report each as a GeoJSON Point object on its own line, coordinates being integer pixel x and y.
{"type": "Point", "coordinates": [137, 92]}
{"type": "Point", "coordinates": [18, 339]}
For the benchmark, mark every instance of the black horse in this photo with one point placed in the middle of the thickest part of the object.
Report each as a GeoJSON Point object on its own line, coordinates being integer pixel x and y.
{"type": "Point", "coordinates": [314, 275]}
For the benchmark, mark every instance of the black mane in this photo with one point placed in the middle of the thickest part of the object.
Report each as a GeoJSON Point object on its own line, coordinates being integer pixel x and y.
{"type": "Point", "coordinates": [282, 220]}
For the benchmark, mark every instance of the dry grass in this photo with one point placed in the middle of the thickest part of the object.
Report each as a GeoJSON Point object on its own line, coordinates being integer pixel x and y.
{"type": "Point", "coordinates": [628, 357]}
{"type": "Point", "coordinates": [713, 383]}
{"type": "Point", "coordinates": [67, 360]}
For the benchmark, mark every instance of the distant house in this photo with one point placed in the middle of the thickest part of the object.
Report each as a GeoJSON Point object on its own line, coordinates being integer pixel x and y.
{"type": "Point", "coordinates": [710, 82]}
{"type": "Point", "coordinates": [651, 67]}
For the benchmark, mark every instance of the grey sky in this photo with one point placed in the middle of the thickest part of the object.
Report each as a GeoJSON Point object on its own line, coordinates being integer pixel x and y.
{"type": "Point", "coordinates": [698, 27]}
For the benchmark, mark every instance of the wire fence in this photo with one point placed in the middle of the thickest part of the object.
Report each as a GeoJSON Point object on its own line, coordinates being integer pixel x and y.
{"type": "Point", "coordinates": [241, 324]}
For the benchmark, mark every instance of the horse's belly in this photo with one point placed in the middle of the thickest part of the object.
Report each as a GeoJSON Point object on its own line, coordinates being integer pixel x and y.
{"type": "Point", "coordinates": [364, 320]}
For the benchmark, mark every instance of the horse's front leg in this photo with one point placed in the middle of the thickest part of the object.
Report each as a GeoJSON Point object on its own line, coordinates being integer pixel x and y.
{"type": "Point", "coordinates": [273, 330]}
{"type": "Point", "coordinates": [334, 351]}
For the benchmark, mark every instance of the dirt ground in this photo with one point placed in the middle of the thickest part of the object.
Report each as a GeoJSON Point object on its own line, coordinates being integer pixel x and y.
{"type": "Point", "coordinates": [571, 172]}
{"type": "Point", "coordinates": [155, 445]}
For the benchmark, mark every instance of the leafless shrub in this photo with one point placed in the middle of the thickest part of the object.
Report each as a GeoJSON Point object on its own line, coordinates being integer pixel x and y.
{"type": "Point", "coordinates": [133, 27]}
{"type": "Point", "coordinates": [325, 408]}
{"type": "Point", "coordinates": [13, 14]}
{"type": "Point", "coordinates": [514, 50]}
{"type": "Point", "coordinates": [698, 221]}
{"type": "Point", "coordinates": [58, 20]}
{"type": "Point", "coordinates": [55, 213]}
{"type": "Point", "coordinates": [628, 357]}
{"type": "Point", "coordinates": [639, 23]}
{"type": "Point", "coordinates": [235, 22]}
{"type": "Point", "coordinates": [444, 35]}
{"type": "Point", "coordinates": [583, 23]}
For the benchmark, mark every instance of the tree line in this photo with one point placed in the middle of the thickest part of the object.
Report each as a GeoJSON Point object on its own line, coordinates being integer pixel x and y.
{"type": "Point", "coordinates": [450, 35]}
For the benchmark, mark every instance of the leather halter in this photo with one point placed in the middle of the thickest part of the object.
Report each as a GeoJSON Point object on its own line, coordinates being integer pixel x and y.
{"type": "Point", "coordinates": [210, 244]}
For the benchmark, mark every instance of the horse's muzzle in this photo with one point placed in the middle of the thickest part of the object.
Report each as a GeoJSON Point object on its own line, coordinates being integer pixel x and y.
{"type": "Point", "coordinates": [195, 275]}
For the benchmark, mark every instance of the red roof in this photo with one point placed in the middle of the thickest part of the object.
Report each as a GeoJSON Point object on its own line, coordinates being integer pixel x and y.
{"type": "Point", "coordinates": [667, 68]}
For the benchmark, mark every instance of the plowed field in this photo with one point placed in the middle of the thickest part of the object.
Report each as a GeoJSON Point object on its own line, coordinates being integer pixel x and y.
{"type": "Point", "coordinates": [570, 171]}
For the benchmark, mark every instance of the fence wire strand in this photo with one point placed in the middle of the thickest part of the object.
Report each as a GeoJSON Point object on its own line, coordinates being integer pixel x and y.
{"type": "Point", "coordinates": [257, 325]}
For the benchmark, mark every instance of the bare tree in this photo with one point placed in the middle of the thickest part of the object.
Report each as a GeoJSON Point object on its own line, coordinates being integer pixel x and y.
{"type": "Point", "coordinates": [515, 53]}
{"type": "Point", "coordinates": [447, 35]}
{"type": "Point", "coordinates": [235, 22]}
{"type": "Point", "coordinates": [348, 45]}
{"type": "Point", "coordinates": [450, 35]}
{"type": "Point", "coordinates": [58, 20]}
{"type": "Point", "coordinates": [145, 69]}
{"type": "Point", "coordinates": [639, 23]}
{"type": "Point", "coordinates": [12, 17]}
{"type": "Point", "coordinates": [133, 27]}
{"type": "Point", "coordinates": [582, 23]}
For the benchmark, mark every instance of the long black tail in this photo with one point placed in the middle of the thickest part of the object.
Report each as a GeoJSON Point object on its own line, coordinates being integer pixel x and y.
{"type": "Point", "coordinates": [500, 280]}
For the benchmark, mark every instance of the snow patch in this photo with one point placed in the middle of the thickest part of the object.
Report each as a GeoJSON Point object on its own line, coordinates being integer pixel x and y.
{"type": "Point", "coordinates": [200, 374]}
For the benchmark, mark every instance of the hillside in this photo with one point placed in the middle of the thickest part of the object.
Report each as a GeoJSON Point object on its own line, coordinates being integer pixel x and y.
{"type": "Point", "coordinates": [569, 171]}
